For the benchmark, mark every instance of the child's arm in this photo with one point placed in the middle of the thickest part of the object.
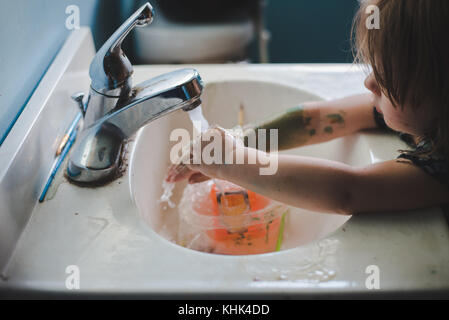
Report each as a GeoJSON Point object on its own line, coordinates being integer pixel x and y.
{"type": "Point", "coordinates": [309, 123]}
{"type": "Point", "coordinates": [327, 186]}
{"type": "Point", "coordinates": [315, 122]}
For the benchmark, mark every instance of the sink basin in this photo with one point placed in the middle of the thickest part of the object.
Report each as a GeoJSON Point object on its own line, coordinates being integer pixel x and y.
{"type": "Point", "coordinates": [221, 103]}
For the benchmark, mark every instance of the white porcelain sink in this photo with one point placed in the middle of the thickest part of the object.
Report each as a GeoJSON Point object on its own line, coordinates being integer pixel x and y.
{"type": "Point", "coordinates": [221, 103]}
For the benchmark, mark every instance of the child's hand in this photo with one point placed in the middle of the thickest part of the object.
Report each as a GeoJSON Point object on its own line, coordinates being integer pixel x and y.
{"type": "Point", "coordinates": [185, 168]}
{"type": "Point", "coordinates": [180, 172]}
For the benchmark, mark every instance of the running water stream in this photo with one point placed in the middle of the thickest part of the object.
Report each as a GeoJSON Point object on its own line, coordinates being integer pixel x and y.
{"type": "Point", "coordinates": [199, 122]}
{"type": "Point", "coordinates": [201, 125]}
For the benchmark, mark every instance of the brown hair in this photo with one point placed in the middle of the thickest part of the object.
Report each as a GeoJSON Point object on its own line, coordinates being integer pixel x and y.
{"type": "Point", "coordinates": [409, 56]}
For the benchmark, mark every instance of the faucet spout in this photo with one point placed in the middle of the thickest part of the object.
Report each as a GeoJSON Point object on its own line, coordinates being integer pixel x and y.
{"type": "Point", "coordinates": [97, 154]}
{"type": "Point", "coordinates": [156, 98]}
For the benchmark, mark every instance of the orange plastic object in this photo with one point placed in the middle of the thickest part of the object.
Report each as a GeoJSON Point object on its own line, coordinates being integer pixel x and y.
{"type": "Point", "coordinates": [254, 235]}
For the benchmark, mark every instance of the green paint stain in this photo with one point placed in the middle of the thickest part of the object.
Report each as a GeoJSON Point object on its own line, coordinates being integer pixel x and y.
{"type": "Point", "coordinates": [281, 232]}
{"type": "Point", "coordinates": [329, 130]}
{"type": "Point", "coordinates": [294, 128]}
{"type": "Point", "coordinates": [336, 118]}
{"type": "Point", "coordinates": [299, 108]}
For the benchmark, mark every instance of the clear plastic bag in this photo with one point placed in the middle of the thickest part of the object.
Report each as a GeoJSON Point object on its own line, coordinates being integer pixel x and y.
{"type": "Point", "coordinates": [220, 217]}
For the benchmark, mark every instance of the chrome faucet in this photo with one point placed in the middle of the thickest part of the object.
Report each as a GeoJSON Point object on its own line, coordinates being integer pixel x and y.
{"type": "Point", "coordinates": [115, 110]}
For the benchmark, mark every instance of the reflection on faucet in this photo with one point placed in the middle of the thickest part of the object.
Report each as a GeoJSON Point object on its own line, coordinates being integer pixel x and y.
{"type": "Point", "coordinates": [115, 110]}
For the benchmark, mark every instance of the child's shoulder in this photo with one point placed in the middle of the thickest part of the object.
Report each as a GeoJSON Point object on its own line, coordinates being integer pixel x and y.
{"type": "Point", "coordinates": [433, 164]}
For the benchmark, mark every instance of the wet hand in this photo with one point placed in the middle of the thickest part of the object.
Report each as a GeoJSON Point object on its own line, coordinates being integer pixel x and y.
{"type": "Point", "coordinates": [184, 168]}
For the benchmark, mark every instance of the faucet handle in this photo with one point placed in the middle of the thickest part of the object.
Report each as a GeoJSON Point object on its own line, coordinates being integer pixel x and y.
{"type": "Point", "coordinates": [111, 70]}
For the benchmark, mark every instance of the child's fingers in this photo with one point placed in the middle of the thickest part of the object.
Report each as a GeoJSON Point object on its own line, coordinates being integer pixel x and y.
{"type": "Point", "coordinates": [181, 170]}
{"type": "Point", "coordinates": [177, 173]}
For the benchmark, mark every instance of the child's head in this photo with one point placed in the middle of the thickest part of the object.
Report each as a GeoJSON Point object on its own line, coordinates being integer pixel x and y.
{"type": "Point", "coordinates": [409, 56]}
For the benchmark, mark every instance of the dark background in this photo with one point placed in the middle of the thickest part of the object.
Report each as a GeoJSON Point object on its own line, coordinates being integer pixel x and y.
{"type": "Point", "coordinates": [33, 31]}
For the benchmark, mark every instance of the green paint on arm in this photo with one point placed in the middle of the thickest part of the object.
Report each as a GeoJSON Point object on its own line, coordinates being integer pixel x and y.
{"type": "Point", "coordinates": [329, 130]}
{"type": "Point", "coordinates": [299, 108]}
{"type": "Point", "coordinates": [336, 118]}
{"type": "Point", "coordinates": [293, 128]}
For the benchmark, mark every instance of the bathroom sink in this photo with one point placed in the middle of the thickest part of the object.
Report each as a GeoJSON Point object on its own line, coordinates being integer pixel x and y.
{"type": "Point", "coordinates": [221, 103]}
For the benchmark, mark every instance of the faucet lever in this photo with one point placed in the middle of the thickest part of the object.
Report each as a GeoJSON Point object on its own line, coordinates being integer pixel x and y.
{"type": "Point", "coordinates": [111, 70]}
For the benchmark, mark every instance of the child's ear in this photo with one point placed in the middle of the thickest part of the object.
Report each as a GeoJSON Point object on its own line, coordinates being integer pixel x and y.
{"type": "Point", "coordinates": [371, 84]}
